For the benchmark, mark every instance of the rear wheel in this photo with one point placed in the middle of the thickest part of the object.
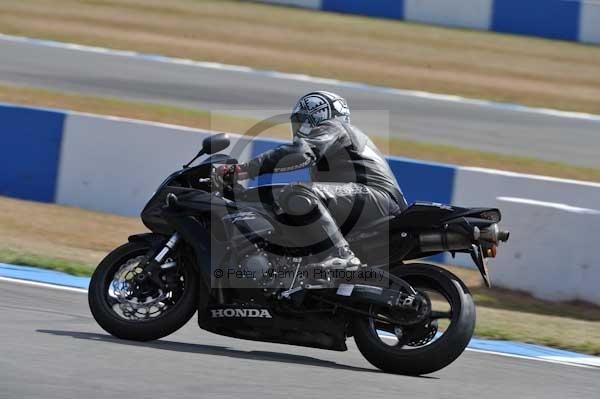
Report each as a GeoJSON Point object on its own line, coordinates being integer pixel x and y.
{"type": "Point", "coordinates": [131, 308]}
{"type": "Point", "coordinates": [434, 343]}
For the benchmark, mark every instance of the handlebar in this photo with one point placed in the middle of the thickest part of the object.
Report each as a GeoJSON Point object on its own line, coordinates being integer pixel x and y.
{"type": "Point", "coordinates": [220, 183]}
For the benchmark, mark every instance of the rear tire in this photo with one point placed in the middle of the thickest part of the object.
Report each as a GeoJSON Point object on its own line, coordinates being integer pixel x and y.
{"type": "Point", "coordinates": [138, 330]}
{"type": "Point", "coordinates": [440, 352]}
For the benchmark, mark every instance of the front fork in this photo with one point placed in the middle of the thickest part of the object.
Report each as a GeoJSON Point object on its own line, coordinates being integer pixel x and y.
{"type": "Point", "coordinates": [155, 264]}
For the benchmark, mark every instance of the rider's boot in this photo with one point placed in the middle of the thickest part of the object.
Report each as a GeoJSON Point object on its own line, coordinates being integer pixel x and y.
{"type": "Point", "coordinates": [336, 268]}
{"type": "Point", "coordinates": [341, 259]}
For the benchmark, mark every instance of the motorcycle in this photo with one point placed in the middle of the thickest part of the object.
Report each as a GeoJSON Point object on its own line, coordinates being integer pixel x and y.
{"type": "Point", "coordinates": [216, 247]}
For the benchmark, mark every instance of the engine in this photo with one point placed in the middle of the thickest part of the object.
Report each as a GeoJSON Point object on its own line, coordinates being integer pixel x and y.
{"type": "Point", "coordinates": [249, 233]}
{"type": "Point", "coordinates": [257, 263]}
{"type": "Point", "coordinates": [265, 270]}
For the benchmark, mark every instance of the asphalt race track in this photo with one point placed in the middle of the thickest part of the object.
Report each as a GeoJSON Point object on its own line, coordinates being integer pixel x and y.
{"type": "Point", "coordinates": [51, 347]}
{"type": "Point", "coordinates": [496, 129]}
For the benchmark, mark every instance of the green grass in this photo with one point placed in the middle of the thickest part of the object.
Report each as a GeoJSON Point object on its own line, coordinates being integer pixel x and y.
{"type": "Point", "coordinates": [61, 265]}
{"type": "Point", "coordinates": [587, 347]}
{"type": "Point", "coordinates": [499, 298]}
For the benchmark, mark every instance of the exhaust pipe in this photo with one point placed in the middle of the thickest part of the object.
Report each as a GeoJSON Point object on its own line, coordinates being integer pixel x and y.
{"type": "Point", "coordinates": [494, 234]}
{"type": "Point", "coordinates": [503, 235]}
{"type": "Point", "coordinates": [436, 241]}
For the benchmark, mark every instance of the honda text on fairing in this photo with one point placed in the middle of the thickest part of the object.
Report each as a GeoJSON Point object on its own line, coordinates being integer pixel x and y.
{"type": "Point", "coordinates": [218, 257]}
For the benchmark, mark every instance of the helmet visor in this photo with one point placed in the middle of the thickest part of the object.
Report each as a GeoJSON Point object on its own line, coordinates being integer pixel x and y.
{"type": "Point", "coordinates": [300, 122]}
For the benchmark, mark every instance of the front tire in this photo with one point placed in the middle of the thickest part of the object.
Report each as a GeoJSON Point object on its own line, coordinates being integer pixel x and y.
{"type": "Point", "coordinates": [103, 308]}
{"type": "Point", "coordinates": [436, 354]}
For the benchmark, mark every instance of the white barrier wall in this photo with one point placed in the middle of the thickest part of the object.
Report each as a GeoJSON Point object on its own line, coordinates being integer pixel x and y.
{"type": "Point", "coordinates": [475, 14]}
{"type": "Point", "coordinates": [555, 231]}
{"type": "Point", "coordinates": [589, 23]}
{"type": "Point", "coordinates": [114, 164]}
{"type": "Point", "coordinates": [552, 254]}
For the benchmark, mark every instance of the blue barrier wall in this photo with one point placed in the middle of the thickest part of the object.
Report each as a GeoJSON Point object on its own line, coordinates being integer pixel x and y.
{"type": "Point", "coordinates": [423, 180]}
{"type": "Point", "coordinates": [31, 141]}
{"type": "Point", "coordinates": [577, 20]}
{"type": "Point", "coordinates": [556, 19]}
{"type": "Point", "coordinates": [373, 8]}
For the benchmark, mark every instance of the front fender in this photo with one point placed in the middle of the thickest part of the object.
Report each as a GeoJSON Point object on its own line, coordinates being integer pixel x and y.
{"type": "Point", "coordinates": [154, 240]}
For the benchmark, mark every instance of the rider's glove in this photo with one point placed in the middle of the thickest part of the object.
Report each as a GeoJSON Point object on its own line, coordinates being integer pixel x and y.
{"type": "Point", "coordinates": [236, 169]}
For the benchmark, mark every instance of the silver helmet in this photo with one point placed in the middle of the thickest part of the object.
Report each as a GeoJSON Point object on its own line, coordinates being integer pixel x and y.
{"type": "Point", "coordinates": [315, 108]}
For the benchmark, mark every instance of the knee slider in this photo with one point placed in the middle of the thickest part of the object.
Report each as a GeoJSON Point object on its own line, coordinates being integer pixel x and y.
{"type": "Point", "coordinates": [297, 200]}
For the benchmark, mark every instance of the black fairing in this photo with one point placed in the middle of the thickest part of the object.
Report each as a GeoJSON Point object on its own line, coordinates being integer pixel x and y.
{"type": "Point", "coordinates": [427, 215]}
{"type": "Point", "coordinates": [316, 330]}
{"type": "Point", "coordinates": [185, 185]}
{"type": "Point", "coordinates": [394, 239]}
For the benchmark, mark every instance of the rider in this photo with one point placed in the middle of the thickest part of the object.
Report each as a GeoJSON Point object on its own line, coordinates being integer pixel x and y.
{"type": "Point", "coordinates": [351, 181]}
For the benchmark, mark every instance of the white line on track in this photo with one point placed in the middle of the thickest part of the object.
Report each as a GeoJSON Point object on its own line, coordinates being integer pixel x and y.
{"type": "Point", "coordinates": [302, 78]}
{"type": "Point", "coordinates": [42, 285]}
{"type": "Point", "coordinates": [508, 173]}
{"type": "Point", "coordinates": [553, 205]}
{"type": "Point", "coordinates": [565, 362]}
{"type": "Point", "coordinates": [562, 361]}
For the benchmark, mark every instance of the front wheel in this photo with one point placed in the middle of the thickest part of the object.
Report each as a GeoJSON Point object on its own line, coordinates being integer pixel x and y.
{"type": "Point", "coordinates": [431, 345]}
{"type": "Point", "coordinates": [130, 308]}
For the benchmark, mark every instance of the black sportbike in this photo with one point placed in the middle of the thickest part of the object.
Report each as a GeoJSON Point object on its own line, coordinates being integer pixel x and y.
{"type": "Point", "coordinates": [212, 249]}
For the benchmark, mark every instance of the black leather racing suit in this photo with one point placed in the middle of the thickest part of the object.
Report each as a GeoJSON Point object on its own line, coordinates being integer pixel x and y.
{"type": "Point", "coordinates": [352, 184]}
